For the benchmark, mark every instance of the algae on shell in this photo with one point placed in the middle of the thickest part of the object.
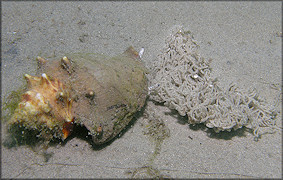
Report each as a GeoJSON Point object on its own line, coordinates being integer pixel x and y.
{"type": "Point", "coordinates": [120, 90]}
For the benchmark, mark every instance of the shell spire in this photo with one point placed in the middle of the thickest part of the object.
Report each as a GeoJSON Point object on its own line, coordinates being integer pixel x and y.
{"type": "Point", "coordinates": [46, 106]}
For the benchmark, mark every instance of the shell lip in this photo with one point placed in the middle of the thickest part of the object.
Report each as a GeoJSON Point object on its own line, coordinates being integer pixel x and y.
{"type": "Point", "coordinates": [67, 129]}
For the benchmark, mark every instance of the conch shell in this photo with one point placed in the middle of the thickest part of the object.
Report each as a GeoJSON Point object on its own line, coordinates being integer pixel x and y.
{"type": "Point", "coordinates": [99, 92]}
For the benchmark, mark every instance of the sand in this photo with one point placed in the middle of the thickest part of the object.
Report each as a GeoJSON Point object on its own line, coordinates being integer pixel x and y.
{"type": "Point", "coordinates": [243, 39]}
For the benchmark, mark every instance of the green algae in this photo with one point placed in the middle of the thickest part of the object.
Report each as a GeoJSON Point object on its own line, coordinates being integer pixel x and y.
{"type": "Point", "coordinates": [157, 132]}
{"type": "Point", "coordinates": [10, 103]}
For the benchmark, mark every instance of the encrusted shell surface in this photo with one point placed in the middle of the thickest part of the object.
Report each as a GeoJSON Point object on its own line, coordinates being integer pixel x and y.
{"type": "Point", "coordinates": [105, 92]}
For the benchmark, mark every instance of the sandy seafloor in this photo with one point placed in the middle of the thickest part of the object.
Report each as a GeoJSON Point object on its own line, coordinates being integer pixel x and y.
{"type": "Point", "coordinates": [242, 38]}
